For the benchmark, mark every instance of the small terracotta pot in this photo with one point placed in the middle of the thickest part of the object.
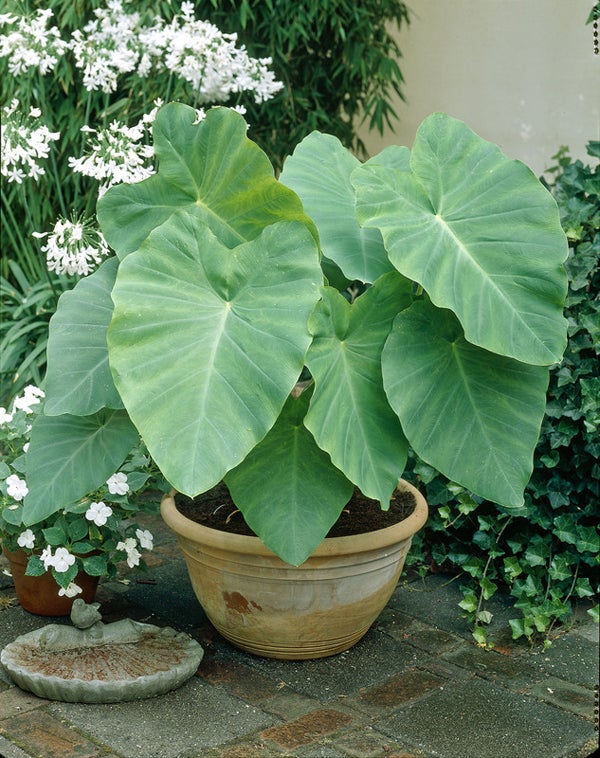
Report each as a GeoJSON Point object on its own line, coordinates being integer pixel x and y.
{"type": "Point", "coordinates": [272, 609]}
{"type": "Point", "coordinates": [39, 594]}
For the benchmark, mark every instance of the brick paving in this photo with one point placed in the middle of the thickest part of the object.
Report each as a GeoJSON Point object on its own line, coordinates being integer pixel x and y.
{"type": "Point", "coordinates": [415, 687]}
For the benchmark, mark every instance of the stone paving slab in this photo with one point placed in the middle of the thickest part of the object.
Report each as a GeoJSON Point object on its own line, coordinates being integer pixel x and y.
{"type": "Point", "coordinates": [478, 719]}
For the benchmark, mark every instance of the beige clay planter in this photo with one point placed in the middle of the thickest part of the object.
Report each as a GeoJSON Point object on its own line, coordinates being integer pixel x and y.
{"type": "Point", "coordinates": [272, 609]}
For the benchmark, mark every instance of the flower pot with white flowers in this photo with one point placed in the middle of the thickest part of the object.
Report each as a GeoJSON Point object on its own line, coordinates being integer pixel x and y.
{"type": "Point", "coordinates": [291, 338]}
{"type": "Point", "coordinates": [65, 554]}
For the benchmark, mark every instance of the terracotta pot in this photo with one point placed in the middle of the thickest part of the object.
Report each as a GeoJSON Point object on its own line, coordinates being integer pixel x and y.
{"type": "Point", "coordinates": [39, 594]}
{"type": "Point", "coordinates": [272, 609]}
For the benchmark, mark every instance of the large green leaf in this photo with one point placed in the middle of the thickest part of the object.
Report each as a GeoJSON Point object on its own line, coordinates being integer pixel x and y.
{"type": "Point", "coordinates": [480, 233]}
{"type": "Point", "coordinates": [473, 415]}
{"type": "Point", "coordinates": [349, 415]}
{"type": "Point", "coordinates": [78, 378]}
{"type": "Point", "coordinates": [206, 343]}
{"type": "Point", "coordinates": [210, 166]}
{"type": "Point", "coordinates": [319, 171]}
{"type": "Point", "coordinates": [288, 489]}
{"type": "Point", "coordinates": [70, 456]}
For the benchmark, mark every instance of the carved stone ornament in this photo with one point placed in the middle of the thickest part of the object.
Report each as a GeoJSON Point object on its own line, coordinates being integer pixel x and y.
{"type": "Point", "coordinates": [93, 662]}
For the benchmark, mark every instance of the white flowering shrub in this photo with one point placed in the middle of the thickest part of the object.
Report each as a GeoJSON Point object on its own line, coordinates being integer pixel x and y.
{"type": "Point", "coordinates": [79, 84]}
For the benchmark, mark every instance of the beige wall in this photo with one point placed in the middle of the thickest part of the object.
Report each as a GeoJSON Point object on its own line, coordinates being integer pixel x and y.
{"type": "Point", "coordinates": [521, 73]}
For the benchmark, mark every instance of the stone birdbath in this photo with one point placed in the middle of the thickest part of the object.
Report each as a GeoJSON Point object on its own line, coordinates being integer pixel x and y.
{"type": "Point", "coordinates": [94, 662]}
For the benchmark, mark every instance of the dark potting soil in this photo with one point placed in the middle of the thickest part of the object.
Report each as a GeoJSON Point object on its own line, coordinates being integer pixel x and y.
{"type": "Point", "coordinates": [217, 510]}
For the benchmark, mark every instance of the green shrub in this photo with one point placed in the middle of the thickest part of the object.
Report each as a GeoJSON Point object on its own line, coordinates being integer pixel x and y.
{"type": "Point", "coordinates": [338, 60]}
{"type": "Point", "coordinates": [547, 556]}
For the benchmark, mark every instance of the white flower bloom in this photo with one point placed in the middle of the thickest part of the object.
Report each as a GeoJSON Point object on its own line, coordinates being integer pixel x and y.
{"type": "Point", "coordinates": [117, 484]}
{"type": "Point", "coordinates": [73, 246]}
{"type": "Point", "coordinates": [26, 539]}
{"type": "Point", "coordinates": [133, 554]}
{"type": "Point", "coordinates": [98, 513]}
{"type": "Point", "coordinates": [62, 559]}
{"type": "Point", "coordinates": [5, 418]}
{"type": "Point", "coordinates": [31, 44]}
{"type": "Point", "coordinates": [145, 538]}
{"type": "Point", "coordinates": [118, 154]}
{"type": "Point", "coordinates": [24, 143]}
{"type": "Point", "coordinates": [15, 487]}
{"type": "Point", "coordinates": [107, 46]}
{"type": "Point", "coordinates": [71, 591]}
{"type": "Point", "coordinates": [47, 558]}
{"type": "Point", "coordinates": [31, 396]}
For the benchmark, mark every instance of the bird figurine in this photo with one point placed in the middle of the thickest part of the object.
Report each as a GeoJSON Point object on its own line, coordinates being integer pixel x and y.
{"type": "Point", "coordinates": [83, 615]}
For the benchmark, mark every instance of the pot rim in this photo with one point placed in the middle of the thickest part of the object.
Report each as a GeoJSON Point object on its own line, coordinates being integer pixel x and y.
{"type": "Point", "coordinates": [356, 543]}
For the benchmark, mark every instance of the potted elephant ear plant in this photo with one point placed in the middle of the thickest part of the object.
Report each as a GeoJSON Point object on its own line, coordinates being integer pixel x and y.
{"type": "Point", "coordinates": [418, 296]}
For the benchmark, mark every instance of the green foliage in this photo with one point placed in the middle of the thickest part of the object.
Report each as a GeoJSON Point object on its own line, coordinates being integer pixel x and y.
{"type": "Point", "coordinates": [26, 308]}
{"type": "Point", "coordinates": [547, 555]}
{"type": "Point", "coordinates": [338, 60]}
{"type": "Point", "coordinates": [220, 304]}
{"type": "Point", "coordinates": [34, 204]}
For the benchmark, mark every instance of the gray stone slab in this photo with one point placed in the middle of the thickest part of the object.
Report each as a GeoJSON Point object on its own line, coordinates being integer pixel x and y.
{"type": "Point", "coordinates": [373, 659]}
{"type": "Point", "coordinates": [478, 719]}
{"type": "Point", "coordinates": [185, 722]}
{"type": "Point", "coordinates": [434, 600]}
{"type": "Point", "coordinates": [572, 657]}
{"type": "Point", "coordinates": [9, 750]}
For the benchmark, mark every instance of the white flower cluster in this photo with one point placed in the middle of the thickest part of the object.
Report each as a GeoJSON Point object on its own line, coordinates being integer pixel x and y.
{"type": "Point", "coordinates": [73, 246]}
{"type": "Point", "coordinates": [200, 53]}
{"type": "Point", "coordinates": [98, 513]}
{"type": "Point", "coordinates": [24, 142]}
{"type": "Point", "coordinates": [107, 46]}
{"type": "Point", "coordinates": [31, 44]}
{"type": "Point", "coordinates": [118, 154]}
{"type": "Point", "coordinates": [116, 42]}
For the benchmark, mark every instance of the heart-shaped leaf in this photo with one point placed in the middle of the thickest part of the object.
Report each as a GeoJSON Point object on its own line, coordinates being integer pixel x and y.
{"type": "Point", "coordinates": [480, 233]}
{"type": "Point", "coordinates": [473, 415]}
{"type": "Point", "coordinates": [210, 166]}
{"type": "Point", "coordinates": [319, 171]}
{"type": "Point", "coordinates": [350, 416]}
{"type": "Point", "coordinates": [206, 340]}
{"type": "Point", "coordinates": [288, 489]}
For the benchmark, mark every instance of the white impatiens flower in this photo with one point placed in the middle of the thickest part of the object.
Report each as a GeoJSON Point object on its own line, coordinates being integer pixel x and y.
{"type": "Point", "coordinates": [15, 487]}
{"type": "Point", "coordinates": [62, 559]}
{"type": "Point", "coordinates": [24, 143]}
{"type": "Point", "coordinates": [129, 546]}
{"type": "Point", "coordinates": [73, 246]}
{"type": "Point", "coordinates": [145, 538]}
{"type": "Point", "coordinates": [47, 558]}
{"type": "Point", "coordinates": [98, 513]}
{"type": "Point", "coordinates": [31, 44]}
{"type": "Point", "coordinates": [26, 539]}
{"type": "Point", "coordinates": [117, 484]}
{"type": "Point", "coordinates": [71, 591]}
